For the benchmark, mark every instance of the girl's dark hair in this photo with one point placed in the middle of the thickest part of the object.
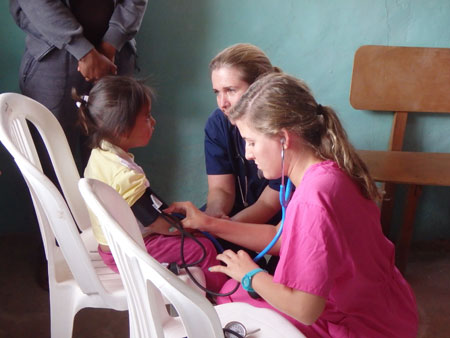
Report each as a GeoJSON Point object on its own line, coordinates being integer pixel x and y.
{"type": "Point", "coordinates": [280, 101]}
{"type": "Point", "coordinates": [111, 109]}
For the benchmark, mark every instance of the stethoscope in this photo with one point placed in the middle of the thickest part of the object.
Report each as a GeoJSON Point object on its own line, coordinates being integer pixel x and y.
{"type": "Point", "coordinates": [285, 196]}
{"type": "Point", "coordinates": [243, 192]}
{"type": "Point", "coordinates": [235, 329]}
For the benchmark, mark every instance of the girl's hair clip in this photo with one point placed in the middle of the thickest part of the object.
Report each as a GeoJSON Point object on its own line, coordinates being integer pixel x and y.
{"type": "Point", "coordinates": [84, 99]}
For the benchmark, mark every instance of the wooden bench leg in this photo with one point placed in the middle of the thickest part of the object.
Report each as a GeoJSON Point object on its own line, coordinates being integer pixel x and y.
{"type": "Point", "coordinates": [387, 207]}
{"type": "Point", "coordinates": [406, 231]}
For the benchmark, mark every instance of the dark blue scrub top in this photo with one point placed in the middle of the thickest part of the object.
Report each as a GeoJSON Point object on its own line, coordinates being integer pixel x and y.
{"type": "Point", "coordinates": [225, 154]}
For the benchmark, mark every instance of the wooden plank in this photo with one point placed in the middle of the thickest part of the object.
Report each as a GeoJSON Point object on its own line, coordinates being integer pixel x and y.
{"type": "Point", "coordinates": [391, 78]}
{"type": "Point", "coordinates": [398, 131]}
{"type": "Point", "coordinates": [406, 231]}
{"type": "Point", "coordinates": [395, 143]}
{"type": "Point", "coordinates": [408, 167]}
{"type": "Point", "coordinates": [387, 207]}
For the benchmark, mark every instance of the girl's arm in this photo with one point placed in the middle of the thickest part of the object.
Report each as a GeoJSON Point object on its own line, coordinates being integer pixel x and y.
{"type": "Point", "coordinates": [252, 236]}
{"type": "Point", "coordinates": [302, 306]}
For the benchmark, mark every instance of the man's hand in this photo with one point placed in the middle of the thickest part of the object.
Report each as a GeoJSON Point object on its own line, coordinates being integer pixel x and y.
{"type": "Point", "coordinates": [107, 50]}
{"type": "Point", "coordinates": [95, 65]}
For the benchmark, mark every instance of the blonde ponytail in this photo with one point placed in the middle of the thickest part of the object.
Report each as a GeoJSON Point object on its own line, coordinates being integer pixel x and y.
{"type": "Point", "coordinates": [279, 101]}
{"type": "Point", "coordinates": [336, 146]}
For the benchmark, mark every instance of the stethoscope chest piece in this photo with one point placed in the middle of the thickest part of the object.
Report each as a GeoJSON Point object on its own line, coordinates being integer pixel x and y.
{"type": "Point", "coordinates": [239, 328]}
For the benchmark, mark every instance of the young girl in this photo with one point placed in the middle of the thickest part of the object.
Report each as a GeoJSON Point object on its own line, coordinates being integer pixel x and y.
{"type": "Point", "coordinates": [336, 275]}
{"type": "Point", "coordinates": [117, 117]}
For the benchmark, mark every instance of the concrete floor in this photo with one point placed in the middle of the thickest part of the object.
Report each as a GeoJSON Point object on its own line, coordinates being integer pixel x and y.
{"type": "Point", "coordinates": [24, 306]}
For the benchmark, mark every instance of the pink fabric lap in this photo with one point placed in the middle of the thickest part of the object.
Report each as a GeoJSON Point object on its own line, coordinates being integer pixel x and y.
{"type": "Point", "coordinates": [166, 249]}
{"type": "Point", "coordinates": [108, 259]}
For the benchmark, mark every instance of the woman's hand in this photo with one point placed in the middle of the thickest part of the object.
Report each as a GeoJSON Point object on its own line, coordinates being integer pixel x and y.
{"type": "Point", "coordinates": [195, 219]}
{"type": "Point", "coordinates": [237, 264]}
{"type": "Point", "coordinates": [161, 227]}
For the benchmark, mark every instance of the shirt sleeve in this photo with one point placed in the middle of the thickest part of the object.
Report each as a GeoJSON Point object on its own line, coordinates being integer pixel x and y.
{"type": "Point", "coordinates": [129, 184]}
{"type": "Point", "coordinates": [216, 149]}
{"type": "Point", "coordinates": [125, 22]}
{"type": "Point", "coordinates": [52, 22]}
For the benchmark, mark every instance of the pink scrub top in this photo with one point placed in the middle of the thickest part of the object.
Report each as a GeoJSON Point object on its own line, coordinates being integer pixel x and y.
{"type": "Point", "coordinates": [333, 247]}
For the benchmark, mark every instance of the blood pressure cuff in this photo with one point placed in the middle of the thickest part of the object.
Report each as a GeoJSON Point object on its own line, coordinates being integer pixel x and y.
{"type": "Point", "coordinates": [146, 208]}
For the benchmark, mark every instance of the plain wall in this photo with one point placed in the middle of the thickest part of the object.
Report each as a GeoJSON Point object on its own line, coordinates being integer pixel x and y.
{"type": "Point", "coordinates": [313, 40]}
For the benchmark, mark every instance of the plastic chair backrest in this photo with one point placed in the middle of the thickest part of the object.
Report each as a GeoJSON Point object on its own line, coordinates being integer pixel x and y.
{"type": "Point", "coordinates": [16, 110]}
{"type": "Point", "coordinates": [55, 218]}
{"type": "Point", "coordinates": [62, 227]}
{"type": "Point", "coordinates": [77, 276]}
{"type": "Point", "coordinates": [145, 279]}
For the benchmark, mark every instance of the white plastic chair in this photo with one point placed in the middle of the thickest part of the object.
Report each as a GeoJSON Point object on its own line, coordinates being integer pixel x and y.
{"type": "Point", "coordinates": [77, 276]}
{"type": "Point", "coordinates": [147, 281]}
{"type": "Point", "coordinates": [16, 110]}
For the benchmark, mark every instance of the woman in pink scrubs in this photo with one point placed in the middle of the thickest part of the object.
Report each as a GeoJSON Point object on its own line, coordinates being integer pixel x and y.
{"type": "Point", "coordinates": [336, 275]}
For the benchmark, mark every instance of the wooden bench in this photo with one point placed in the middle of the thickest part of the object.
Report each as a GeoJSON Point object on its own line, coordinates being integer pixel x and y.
{"type": "Point", "coordinates": [403, 80]}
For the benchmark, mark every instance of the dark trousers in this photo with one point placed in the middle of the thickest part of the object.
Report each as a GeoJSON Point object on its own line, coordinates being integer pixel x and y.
{"type": "Point", "coordinates": [49, 80]}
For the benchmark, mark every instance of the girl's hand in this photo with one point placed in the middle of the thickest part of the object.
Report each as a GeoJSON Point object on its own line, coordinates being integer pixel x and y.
{"type": "Point", "coordinates": [237, 264]}
{"type": "Point", "coordinates": [195, 219]}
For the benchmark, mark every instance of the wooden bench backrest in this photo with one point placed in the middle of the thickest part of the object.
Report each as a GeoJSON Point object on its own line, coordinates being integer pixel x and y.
{"type": "Point", "coordinates": [409, 79]}
{"type": "Point", "coordinates": [401, 80]}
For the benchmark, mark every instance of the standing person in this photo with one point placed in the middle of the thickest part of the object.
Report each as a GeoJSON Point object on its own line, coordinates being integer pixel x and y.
{"type": "Point", "coordinates": [116, 116]}
{"type": "Point", "coordinates": [336, 275]}
{"type": "Point", "coordinates": [73, 43]}
{"type": "Point", "coordinates": [234, 187]}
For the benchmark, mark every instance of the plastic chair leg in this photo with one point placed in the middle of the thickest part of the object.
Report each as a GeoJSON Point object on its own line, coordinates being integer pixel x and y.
{"type": "Point", "coordinates": [62, 314]}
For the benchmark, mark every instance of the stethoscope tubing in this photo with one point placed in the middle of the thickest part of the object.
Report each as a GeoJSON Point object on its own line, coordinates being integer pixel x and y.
{"type": "Point", "coordinates": [285, 196]}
